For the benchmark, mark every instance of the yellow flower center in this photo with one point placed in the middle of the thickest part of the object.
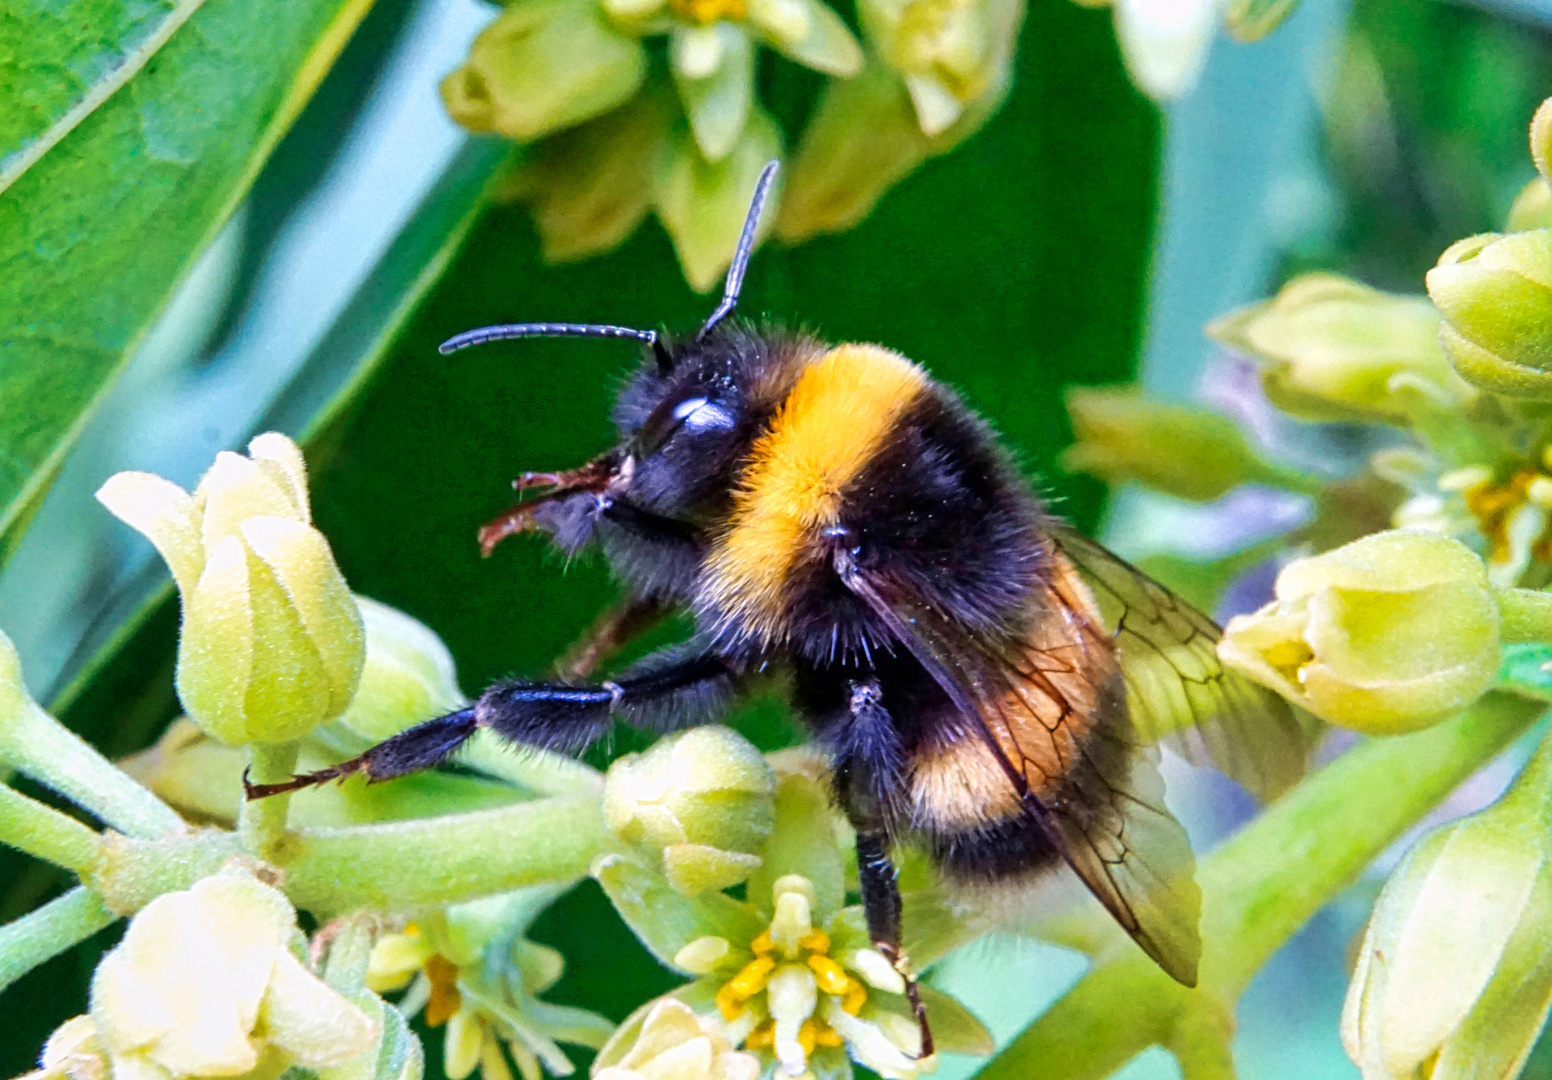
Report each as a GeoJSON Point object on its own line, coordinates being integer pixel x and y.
{"type": "Point", "coordinates": [706, 12]}
{"type": "Point", "coordinates": [445, 1000]}
{"type": "Point", "coordinates": [813, 952]}
{"type": "Point", "coordinates": [1494, 506]}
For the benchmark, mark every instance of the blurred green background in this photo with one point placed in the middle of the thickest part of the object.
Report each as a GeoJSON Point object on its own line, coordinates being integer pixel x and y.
{"type": "Point", "coordinates": [157, 310]}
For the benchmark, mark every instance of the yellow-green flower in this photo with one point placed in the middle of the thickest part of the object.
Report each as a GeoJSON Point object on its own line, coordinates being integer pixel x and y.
{"type": "Point", "coordinates": [205, 983]}
{"type": "Point", "coordinates": [1384, 635]}
{"type": "Point", "coordinates": [1454, 979]}
{"type": "Point", "coordinates": [1332, 349]}
{"type": "Point", "coordinates": [1121, 434]}
{"type": "Point", "coordinates": [711, 53]}
{"type": "Point", "coordinates": [670, 1042]}
{"type": "Point", "coordinates": [471, 969]}
{"type": "Point", "coordinates": [700, 800]}
{"type": "Point", "coordinates": [272, 644]}
{"type": "Point", "coordinates": [950, 53]}
{"type": "Point", "coordinates": [788, 974]}
{"type": "Point", "coordinates": [543, 66]}
{"type": "Point", "coordinates": [1496, 295]}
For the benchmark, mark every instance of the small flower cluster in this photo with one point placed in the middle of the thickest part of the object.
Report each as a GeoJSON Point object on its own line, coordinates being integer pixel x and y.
{"type": "Point", "coordinates": [616, 138]}
{"type": "Point", "coordinates": [1395, 600]}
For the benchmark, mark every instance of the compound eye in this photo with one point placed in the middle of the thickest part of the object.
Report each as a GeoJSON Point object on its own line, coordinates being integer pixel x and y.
{"type": "Point", "coordinates": [698, 414]}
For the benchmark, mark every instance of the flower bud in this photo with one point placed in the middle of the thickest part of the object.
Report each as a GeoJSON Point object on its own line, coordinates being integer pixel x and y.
{"type": "Point", "coordinates": [1385, 635]}
{"type": "Point", "coordinates": [589, 186]}
{"type": "Point", "coordinates": [271, 644]}
{"type": "Point", "coordinates": [1496, 295]}
{"type": "Point", "coordinates": [1332, 349]}
{"type": "Point", "coordinates": [702, 799]}
{"type": "Point", "coordinates": [1532, 207]}
{"type": "Point", "coordinates": [862, 139]}
{"type": "Point", "coordinates": [949, 53]}
{"type": "Point", "coordinates": [666, 1040]}
{"type": "Point", "coordinates": [204, 984]}
{"type": "Point", "coordinates": [1455, 975]}
{"type": "Point", "coordinates": [1122, 435]}
{"type": "Point", "coordinates": [703, 203]}
{"type": "Point", "coordinates": [542, 66]}
{"type": "Point", "coordinates": [408, 674]}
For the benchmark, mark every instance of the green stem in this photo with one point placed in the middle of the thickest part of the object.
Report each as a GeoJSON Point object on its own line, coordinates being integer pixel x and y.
{"type": "Point", "coordinates": [45, 750]}
{"type": "Point", "coordinates": [397, 866]}
{"type": "Point", "coordinates": [45, 833]}
{"type": "Point", "coordinates": [538, 771]}
{"type": "Point", "coordinates": [1525, 615]}
{"type": "Point", "coordinates": [43, 934]}
{"type": "Point", "coordinates": [261, 823]}
{"type": "Point", "coordinates": [1258, 888]}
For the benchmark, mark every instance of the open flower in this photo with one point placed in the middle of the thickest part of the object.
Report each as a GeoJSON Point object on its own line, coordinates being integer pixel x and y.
{"type": "Point", "coordinates": [1384, 635]}
{"type": "Point", "coordinates": [790, 974]}
{"type": "Point", "coordinates": [1455, 977]}
{"type": "Point", "coordinates": [950, 53]}
{"type": "Point", "coordinates": [272, 644]}
{"type": "Point", "coordinates": [666, 1040]}
{"type": "Point", "coordinates": [205, 983]}
{"type": "Point", "coordinates": [471, 969]}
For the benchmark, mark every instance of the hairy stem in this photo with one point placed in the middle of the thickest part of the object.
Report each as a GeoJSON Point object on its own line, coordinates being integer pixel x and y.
{"type": "Point", "coordinates": [397, 866]}
{"type": "Point", "coordinates": [45, 833]}
{"type": "Point", "coordinates": [43, 934]}
{"type": "Point", "coordinates": [261, 823]}
{"type": "Point", "coordinates": [45, 750]}
{"type": "Point", "coordinates": [1257, 889]}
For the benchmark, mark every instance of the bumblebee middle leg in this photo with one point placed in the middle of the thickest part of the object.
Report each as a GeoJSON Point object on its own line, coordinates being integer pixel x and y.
{"type": "Point", "coordinates": [662, 693]}
{"type": "Point", "coordinates": [882, 907]}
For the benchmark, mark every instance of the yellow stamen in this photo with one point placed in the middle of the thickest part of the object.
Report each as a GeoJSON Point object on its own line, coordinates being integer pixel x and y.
{"type": "Point", "coordinates": [763, 945]}
{"type": "Point", "coordinates": [762, 1037]}
{"type": "Point", "coordinates": [825, 1035]}
{"type": "Point", "coordinates": [445, 1000]}
{"type": "Point", "coordinates": [808, 1035]}
{"type": "Point", "coordinates": [855, 998]}
{"type": "Point", "coordinates": [818, 941]}
{"type": "Point", "coordinates": [743, 986]}
{"type": "Point", "coordinates": [706, 12]}
{"type": "Point", "coordinates": [828, 974]}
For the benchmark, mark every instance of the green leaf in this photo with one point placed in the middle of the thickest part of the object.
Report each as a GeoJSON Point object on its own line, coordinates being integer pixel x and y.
{"type": "Point", "coordinates": [1526, 669]}
{"type": "Point", "coordinates": [59, 62]}
{"type": "Point", "coordinates": [95, 235]}
{"type": "Point", "coordinates": [1252, 20]}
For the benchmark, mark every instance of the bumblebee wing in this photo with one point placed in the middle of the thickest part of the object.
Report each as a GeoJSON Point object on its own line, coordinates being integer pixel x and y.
{"type": "Point", "coordinates": [1051, 708]}
{"type": "Point", "coordinates": [1180, 693]}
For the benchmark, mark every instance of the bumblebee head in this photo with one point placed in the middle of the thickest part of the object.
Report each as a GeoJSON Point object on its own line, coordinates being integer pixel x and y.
{"type": "Point", "coordinates": [688, 413]}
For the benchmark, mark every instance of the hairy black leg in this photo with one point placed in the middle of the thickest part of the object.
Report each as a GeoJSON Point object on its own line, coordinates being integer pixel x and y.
{"type": "Point", "coordinates": [552, 716]}
{"type": "Point", "coordinates": [881, 905]}
{"type": "Point", "coordinates": [612, 630]}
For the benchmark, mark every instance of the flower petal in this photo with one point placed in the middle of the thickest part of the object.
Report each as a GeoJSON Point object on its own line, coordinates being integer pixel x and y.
{"type": "Point", "coordinates": [713, 69]}
{"type": "Point", "coordinates": [165, 514]}
{"type": "Point", "coordinates": [310, 1020]}
{"type": "Point", "coordinates": [215, 648]}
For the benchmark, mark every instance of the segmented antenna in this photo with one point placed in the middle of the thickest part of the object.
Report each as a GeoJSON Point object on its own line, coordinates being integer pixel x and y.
{"type": "Point", "coordinates": [735, 275]}
{"type": "Point", "coordinates": [542, 329]}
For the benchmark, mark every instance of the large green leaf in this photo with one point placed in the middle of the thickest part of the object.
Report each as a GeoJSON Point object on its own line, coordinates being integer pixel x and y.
{"type": "Point", "coordinates": [59, 62]}
{"type": "Point", "coordinates": [95, 235]}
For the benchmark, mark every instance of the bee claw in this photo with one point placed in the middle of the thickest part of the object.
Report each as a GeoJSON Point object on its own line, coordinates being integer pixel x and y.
{"type": "Point", "coordinates": [254, 791]}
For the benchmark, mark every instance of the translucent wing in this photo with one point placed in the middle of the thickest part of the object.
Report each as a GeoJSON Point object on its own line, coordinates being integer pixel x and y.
{"type": "Point", "coordinates": [1179, 692]}
{"type": "Point", "coordinates": [1051, 706]}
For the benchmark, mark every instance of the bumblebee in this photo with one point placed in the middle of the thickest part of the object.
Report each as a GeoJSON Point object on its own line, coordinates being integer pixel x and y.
{"type": "Point", "coordinates": [987, 682]}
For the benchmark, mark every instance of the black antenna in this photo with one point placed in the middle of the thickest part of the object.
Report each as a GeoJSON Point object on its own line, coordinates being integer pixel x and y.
{"type": "Point", "coordinates": [544, 329]}
{"type": "Point", "coordinates": [735, 274]}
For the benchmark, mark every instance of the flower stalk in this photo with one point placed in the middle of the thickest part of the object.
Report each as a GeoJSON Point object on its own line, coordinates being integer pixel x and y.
{"type": "Point", "coordinates": [45, 833]}
{"type": "Point", "coordinates": [262, 822]}
{"type": "Point", "coordinates": [47, 931]}
{"type": "Point", "coordinates": [1258, 888]}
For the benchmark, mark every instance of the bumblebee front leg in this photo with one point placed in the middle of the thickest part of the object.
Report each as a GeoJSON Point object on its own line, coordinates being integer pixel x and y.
{"type": "Point", "coordinates": [550, 716]}
{"type": "Point", "coordinates": [882, 907]}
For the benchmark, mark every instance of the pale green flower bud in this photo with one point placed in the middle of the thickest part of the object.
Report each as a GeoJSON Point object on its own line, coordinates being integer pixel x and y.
{"type": "Point", "coordinates": [1454, 979]}
{"type": "Point", "coordinates": [589, 186]}
{"type": "Point", "coordinates": [701, 799]}
{"type": "Point", "coordinates": [204, 983]}
{"type": "Point", "coordinates": [949, 52]}
{"type": "Point", "coordinates": [702, 203]}
{"type": "Point", "coordinates": [1532, 207]}
{"type": "Point", "coordinates": [271, 644]}
{"type": "Point", "coordinates": [1496, 295]}
{"type": "Point", "coordinates": [408, 675]}
{"type": "Point", "coordinates": [666, 1040]}
{"type": "Point", "coordinates": [1332, 349]}
{"type": "Point", "coordinates": [1121, 434]}
{"type": "Point", "coordinates": [1541, 139]}
{"type": "Point", "coordinates": [1387, 634]}
{"type": "Point", "coordinates": [542, 66]}
{"type": "Point", "coordinates": [862, 139]}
